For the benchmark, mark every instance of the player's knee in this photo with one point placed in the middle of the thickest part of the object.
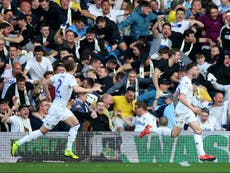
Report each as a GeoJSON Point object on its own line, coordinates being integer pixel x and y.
{"type": "Point", "coordinates": [198, 131]}
{"type": "Point", "coordinates": [174, 134]}
{"type": "Point", "coordinates": [75, 128]}
{"type": "Point", "coordinates": [120, 129]}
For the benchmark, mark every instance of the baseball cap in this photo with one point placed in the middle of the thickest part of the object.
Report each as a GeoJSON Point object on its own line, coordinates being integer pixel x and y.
{"type": "Point", "coordinates": [23, 106]}
{"type": "Point", "coordinates": [165, 81]}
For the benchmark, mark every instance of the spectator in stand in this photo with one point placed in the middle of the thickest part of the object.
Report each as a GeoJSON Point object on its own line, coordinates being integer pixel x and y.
{"type": "Point", "coordinates": [112, 65]}
{"type": "Point", "coordinates": [40, 92]}
{"type": "Point", "coordinates": [139, 20]}
{"type": "Point", "coordinates": [9, 76]}
{"type": "Point", "coordinates": [50, 11]}
{"type": "Point", "coordinates": [108, 100]}
{"type": "Point", "coordinates": [219, 111]}
{"type": "Point", "coordinates": [37, 118]}
{"type": "Point", "coordinates": [167, 68]}
{"type": "Point", "coordinates": [38, 65]}
{"type": "Point", "coordinates": [181, 24]}
{"type": "Point", "coordinates": [224, 7]}
{"type": "Point", "coordinates": [215, 53]}
{"type": "Point", "coordinates": [13, 54]}
{"type": "Point", "coordinates": [225, 33]}
{"type": "Point", "coordinates": [101, 122]}
{"type": "Point", "coordinates": [95, 9]}
{"type": "Point", "coordinates": [9, 4]}
{"type": "Point", "coordinates": [195, 11]}
{"type": "Point", "coordinates": [123, 107]}
{"type": "Point", "coordinates": [3, 55]}
{"type": "Point", "coordinates": [112, 14]}
{"type": "Point", "coordinates": [81, 109]}
{"type": "Point", "coordinates": [8, 15]}
{"type": "Point", "coordinates": [107, 30]}
{"type": "Point", "coordinates": [25, 7]}
{"type": "Point", "coordinates": [6, 29]}
{"type": "Point", "coordinates": [202, 64]}
{"type": "Point", "coordinates": [160, 39]}
{"type": "Point", "coordinates": [20, 122]}
{"type": "Point", "coordinates": [157, 8]}
{"type": "Point", "coordinates": [188, 44]}
{"type": "Point", "coordinates": [221, 70]}
{"type": "Point", "coordinates": [46, 37]}
{"type": "Point", "coordinates": [70, 10]}
{"type": "Point", "coordinates": [212, 23]}
{"type": "Point", "coordinates": [206, 122]}
{"type": "Point", "coordinates": [104, 79]}
{"type": "Point", "coordinates": [26, 33]}
{"type": "Point", "coordinates": [219, 87]}
{"type": "Point", "coordinates": [157, 98]}
{"type": "Point", "coordinates": [19, 92]}
{"type": "Point", "coordinates": [80, 27]}
{"type": "Point", "coordinates": [4, 111]}
{"type": "Point", "coordinates": [131, 80]}
{"type": "Point", "coordinates": [67, 40]}
{"type": "Point", "coordinates": [91, 43]}
{"type": "Point", "coordinates": [95, 64]}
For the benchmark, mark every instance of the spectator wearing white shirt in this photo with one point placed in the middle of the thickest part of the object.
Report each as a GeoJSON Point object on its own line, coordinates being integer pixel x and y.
{"type": "Point", "coordinates": [180, 25]}
{"type": "Point", "coordinates": [9, 76]}
{"type": "Point", "coordinates": [206, 122]}
{"type": "Point", "coordinates": [20, 122]}
{"type": "Point", "coordinates": [202, 64]}
{"type": "Point", "coordinates": [95, 9]}
{"type": "Point", "coordinates": [38, 65]}
{"type": "Point", "coordinates": [112, 14]}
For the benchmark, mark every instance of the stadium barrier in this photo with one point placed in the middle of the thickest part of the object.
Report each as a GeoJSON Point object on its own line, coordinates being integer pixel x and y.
{"type": "Point", "coordinates": [115, 147]}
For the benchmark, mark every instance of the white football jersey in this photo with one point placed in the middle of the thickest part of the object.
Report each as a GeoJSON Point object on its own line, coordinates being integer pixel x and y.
{"type": "Point", "coordinates": [186, 88]}
{"type": "Point", "coordinates": [140, 122]}
{"type": "Point", "coordinates": [63, 87]}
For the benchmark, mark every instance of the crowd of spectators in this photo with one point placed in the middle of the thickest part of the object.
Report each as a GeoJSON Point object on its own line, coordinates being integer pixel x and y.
{"type": "Point", "coordinates": [135, 50]}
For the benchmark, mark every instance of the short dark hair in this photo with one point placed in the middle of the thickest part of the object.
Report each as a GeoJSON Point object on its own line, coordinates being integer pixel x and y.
{"type": "Point", "coordinates": [89, 81]}
{"type": "Point", "coordinates": [100, 19]}
{"type": "Point", "coordinates": [20, 77]}
{"type": "Point", "coordinates": [69, 65]}
{"type": "Point", "coordinates": [163, 121]}
{"type": "Point", "coordinates": [91, 30]}
{"type": "Point", "coordinates": [130, 89]}
{"type": "Point", "coordinates": [187, 32]}
{"type": "Point", "coordinates": [144, 4]}
{"type": "Point", "coordinates": [167, 24]}
{"type": "Point", "coordinates": [141, 104]}
{"type": "Point", "coordinates": [190, 66]}
{"type": "Point", "coordinates": [38, 49]}
{"type": "Point", "coordinates": [3, 101]}
{"type": "Point", "coordinates": [205, 110]}
{"type": "Point", "coordinates": [210, 7]}
{"type": "Point", "coordinates": [180, 9]}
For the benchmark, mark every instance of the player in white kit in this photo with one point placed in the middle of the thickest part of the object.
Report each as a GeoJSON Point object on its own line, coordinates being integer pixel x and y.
{"type": "Point", "coordinates": [64, 84]}
{"type": "Point", "coordinates": [185, 112]}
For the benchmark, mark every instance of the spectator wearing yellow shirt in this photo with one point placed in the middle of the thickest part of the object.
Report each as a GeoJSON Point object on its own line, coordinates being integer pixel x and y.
{"type": "Point", "coordinates": [123, 108]}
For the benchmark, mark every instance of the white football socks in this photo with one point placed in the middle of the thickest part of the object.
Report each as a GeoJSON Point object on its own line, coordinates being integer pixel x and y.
{"type": "Point", "coordinates": [72, 136]}
{"type": "Point", "coordinates": [199, 144]}
{"type": "Point", "coordinates": [31, 136]}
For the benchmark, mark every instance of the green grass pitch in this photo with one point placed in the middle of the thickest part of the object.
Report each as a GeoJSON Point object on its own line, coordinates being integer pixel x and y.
{"type": "Point", "coordinates": [113, 167]}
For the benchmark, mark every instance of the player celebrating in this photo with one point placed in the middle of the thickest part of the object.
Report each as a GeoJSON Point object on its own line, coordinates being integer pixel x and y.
{"type": "Point", "coordinates": [185, 112]}
{"type": "Point", "coordinates": [64, 84]}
